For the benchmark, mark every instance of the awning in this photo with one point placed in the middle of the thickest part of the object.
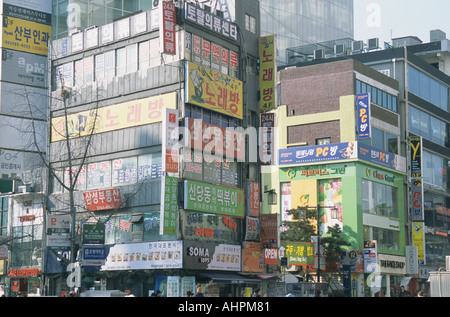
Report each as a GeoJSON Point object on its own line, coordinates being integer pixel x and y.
{"type": "Point", "coordinates": [228, 278]}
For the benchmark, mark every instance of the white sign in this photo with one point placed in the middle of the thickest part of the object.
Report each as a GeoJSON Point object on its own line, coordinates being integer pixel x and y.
{"type": "Point", "coordinates": [58, 223]}
{"type": "Point", "coordinates": [11, 162]}
{"type": "Point", "coordinates": [58, 242]}
{"type": "Point", "coordinates": [145, 256]}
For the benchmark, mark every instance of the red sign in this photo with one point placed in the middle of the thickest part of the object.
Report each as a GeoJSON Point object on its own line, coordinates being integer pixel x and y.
{"type": "Point", "coordinates": [103, 199]}
{"type": "Point", "coordinates": [270, 256]}
{"type": "Point", "coordinates": [215, 140]}
{"type": "Point", "coordinates": [254, 199]}
{"type": "Point", "coordinates": [24, 272]}
{"type": "Point", "coordinates": [269, 230]}
{"type": "Point", "coordinates": [168, 28]}
{"type": "Point", "coordinates": [27, 218]}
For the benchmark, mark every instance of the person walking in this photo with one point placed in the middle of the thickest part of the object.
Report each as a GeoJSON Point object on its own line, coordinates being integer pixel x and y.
{"type": "Point", "coordinates": [198, 292]}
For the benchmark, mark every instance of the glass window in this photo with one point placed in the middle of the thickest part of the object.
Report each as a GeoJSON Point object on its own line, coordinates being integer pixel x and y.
{"type": "Point", "coordinates": [150, 167]}
{"type": "Point", "coordinates": [144, 55]}
{"type": "Point", "coordinates": [379, 199]}
{"type": "Point", "coordinates": [378, 138]}
{"type": "Point", "coordinates": [391, 143]}
{"type": "Point", "coordinates": [99, 175]}
{"type": "Point", "coordinates": [121, 59]}
{"type": "Point", "coordinates": [132, 58]}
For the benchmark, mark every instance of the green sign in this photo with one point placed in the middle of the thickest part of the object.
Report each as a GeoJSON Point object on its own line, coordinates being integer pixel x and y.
{"type": "Point", "coordinates": [297, 253]}
{"type": "Point", "coordinates": [221, 200]}
{"type": "Point", "coordinates": [169, 206]}
{"type": "Point", "coordinates": [93, 233]}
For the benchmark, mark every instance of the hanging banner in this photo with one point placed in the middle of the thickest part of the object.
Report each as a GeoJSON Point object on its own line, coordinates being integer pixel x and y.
{"type": "Point", "coordinates": [267, 73]}
{"type": "Point", "coordinates": [170, 141]}
{"type": "Point", "coordinates": [254, 190]}
{"type": "Point", "coordinates": [416, 156]}
{"type": "Point", "coordinates": [418, 233]}
{"type": "Point", "coordinates": [169, 206]}
{"type": "Point", "coordinates": [417, 200]}
{"type": "Point", "coordinates": [167, 28]}
{"type": "Point", "coordinates": [363, 115]}
{"type": "Point", "coordinates": [269, 230]}
{"type": "Point", "coordinates": [214, 91]}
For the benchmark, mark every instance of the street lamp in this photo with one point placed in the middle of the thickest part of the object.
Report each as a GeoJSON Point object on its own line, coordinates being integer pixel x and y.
{"type": "Point", "coordinates": [272, 197]}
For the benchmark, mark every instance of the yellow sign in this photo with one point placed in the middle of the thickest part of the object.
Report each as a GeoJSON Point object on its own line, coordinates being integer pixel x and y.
{"type": "Point", "coordinates": [268, 71]}
{"type": "Point", "coordinates": [418, 240]}
{"type": "Point", "coordinates": [215, 91]}
{"type": "Point", "coordinates": [25, 36]}
{"type": "Point", "coordinates": [120, 116]}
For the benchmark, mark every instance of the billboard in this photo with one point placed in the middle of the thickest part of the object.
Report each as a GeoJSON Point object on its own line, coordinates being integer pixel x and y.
{"type": "Point", "coordinates": [297, 253]}
{"type": "Point", "coordinates": [103, 199]}
{"type": "Point", "coordinates": [169, 205]}
{"type": "Point", "coordinates": [212, 256]}
{"type": "Point", "coordinates": [209, 198]}
{"type": "Point", "coordinates": [120, 116]}
{"type": "Point", "coordinates": [25, 36]}
{"type": "Point", "coordinates": [167, 29]}
{"type": "Point", "coordinates": [416, 157]}
{"type": "Point", "coordinates": [23, 68]}
{"type": "Point", "coordinates": [214, 91]}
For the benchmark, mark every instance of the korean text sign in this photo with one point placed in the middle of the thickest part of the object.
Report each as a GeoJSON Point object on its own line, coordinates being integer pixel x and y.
{"type": "Point", "coordinates": [168, 28]}
{"type": "Point", "coordinates": [169, 206]}
{"type": "Point", "coordinates": [25, 36]}
{"type": "Point", "coordinates": [115, 117]}
{"type": "Point", "coordinates": [298, 253]}
{"type": "Point", "coordinates": [268, 71]}
{"type": "Point", "coordinates": [363, 108]}
{"type": "Point", "coordinates": [103, 199]}
{"type": "Point", "coordinates": [214, 91]}
{"type": "Point", "coordinates": [221, 200]}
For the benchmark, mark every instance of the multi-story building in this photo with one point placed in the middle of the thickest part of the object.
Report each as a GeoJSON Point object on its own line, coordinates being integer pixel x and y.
{"type": "Point", "coordinates": [115, 83]}
{"type": "Point", "coordinates": [24, 85]}
{"type": "Point", "coordinates": [303, 22]}
{"type": "Point", "coordinates": [424, 107]}
{"type": "Point", "coordinates": [324, 164]}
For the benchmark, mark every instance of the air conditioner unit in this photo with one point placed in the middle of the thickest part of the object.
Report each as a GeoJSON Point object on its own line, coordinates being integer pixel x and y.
{"type": "Point", "coordinates": [339, 49]}
{"type": "Point", "coordinates": [447, 263]}
{"type": "Point", "coordinates": [373, 44]}
{"type": "Point", "coordinates": [357, 46]}
{"type": "Point", "coordinates": [25, 189]}
{"type": "Point", "coordinates": [319, 54]}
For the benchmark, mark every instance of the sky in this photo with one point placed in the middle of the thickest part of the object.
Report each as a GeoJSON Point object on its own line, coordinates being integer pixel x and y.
{"type": "Point", "coordinates": [387, 19]}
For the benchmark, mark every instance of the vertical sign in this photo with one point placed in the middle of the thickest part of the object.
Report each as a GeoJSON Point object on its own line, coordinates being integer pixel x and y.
{"type": "Point", "coordinates": [254, 199]}
{"type": "Point", "coordinates": [370, 256]}
{"type": "Point", "coordinates": [418, 234]}
{"type": "Point", "coordinates": [167, 29]}
{"type": "Point", "coordinates": [417, 200]}
{"type": "Point", "coordinates": [267, 138]}
{"type": "Point", "coordinates": [169, 206]}
{"type": "Point", "coordinates": [170, 141]}
{"type": "Point", "coordinates": [268, 71]}
{"type": "Point", "coordinates": [416, 156]}
{"type": "Point", "coordinates": [363, 113]}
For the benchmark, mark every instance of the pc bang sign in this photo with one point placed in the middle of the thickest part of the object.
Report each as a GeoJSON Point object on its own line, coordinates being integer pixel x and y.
{"type": "Point", "coordinates": [363, 107]}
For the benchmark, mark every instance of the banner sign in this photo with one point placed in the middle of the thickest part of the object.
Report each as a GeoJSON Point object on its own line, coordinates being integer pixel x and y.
{"type": "Point", "coordinates": [120, 116]}
{"type": "Point", "coordinates": [214, 139]}
{"type": "Point", "coordinates": [169, 206]}
{"type": "Point", "coordinates": [103, 199]}
{"type": "Point", "coordinates": [370, 256]}
{"type": "Point", "coordinates": [418, 233]}
{"type": "Point", "coordinates": [93, 233]}
{"type": "Point", "coordinates": [253, 229]}
{"type": "Point", "coordinates": [363, 115]}
{"type": "Point", "coordinates": [267, 138]}
{"type": "Point", "coordinates": [341, 151]}
{"type": "Point", "coordinates": [25, 36]}
{"type": "Point", "coordinates": [254, 203]}
{"type": "Point", "coordinates": [417, 200]}
{"type": "Point", "coordinates": [317, 153]}
{"type": "Point", "coordinates": [93, 255]}
{"type": "Point", "coordinates": [212, 256]}
{"type": "Point", "coordinates": [214, 91]}
{"type": "Point", "coordinates": [58, 224]}
{"type": "Point", "coordinates": [269, 230]}
{"type": "Point", "coordinates": [297, 253]}
{"type": "Point", "coordinates": [209, 198]}
{"type": "Point", "coordinates": [170, 140]}
{"type": "Point", "coordinates": [416, 157]}
{"type": "Point", "coordinates": [268, 72]}
{"type": "Point", "coordinates": [145, 256]}
{"type": "Point", "coordinates": [167, 29]}
{"type": "Point", "coordinates": [211, 21]}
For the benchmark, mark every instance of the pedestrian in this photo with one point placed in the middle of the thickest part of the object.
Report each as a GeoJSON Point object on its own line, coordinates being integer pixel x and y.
{"type": "Point", "coordinates": [317, 294]}
{"type": "Point", "coordinates": [189, 294]}
{"type": "Point", "coordinates": [403, 292]}
{"type": "Point", "coordinates": [158, 293]}
{"type": "Point", "coordinates": [198, 292]}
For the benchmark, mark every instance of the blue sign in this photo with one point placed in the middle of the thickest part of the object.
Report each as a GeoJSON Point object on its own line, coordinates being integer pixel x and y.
{"type": "Point", "coordinates": [94, 253]}
{"type": "Point", "coordinates": [318, 153]}
{"type": "Point", "coordinates": [383, 158]}
{"type": "Point", "coordinates": [363, 115]}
